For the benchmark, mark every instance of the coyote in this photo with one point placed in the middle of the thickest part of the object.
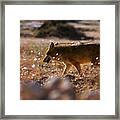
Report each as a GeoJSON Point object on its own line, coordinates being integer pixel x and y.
{"type": "Point", "coordinates": [74, 55]}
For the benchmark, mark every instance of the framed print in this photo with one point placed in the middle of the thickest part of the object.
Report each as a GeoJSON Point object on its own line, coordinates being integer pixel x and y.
{"type": "Point", "coordinates": [59, 59]}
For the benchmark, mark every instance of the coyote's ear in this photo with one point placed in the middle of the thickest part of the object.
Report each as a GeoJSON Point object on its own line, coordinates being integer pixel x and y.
{"type": "Point", "coordinates": [51, 45]}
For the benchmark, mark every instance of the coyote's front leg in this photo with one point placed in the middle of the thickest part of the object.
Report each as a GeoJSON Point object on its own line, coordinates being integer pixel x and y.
{"type": "Point", "coordinates": [67, 67]}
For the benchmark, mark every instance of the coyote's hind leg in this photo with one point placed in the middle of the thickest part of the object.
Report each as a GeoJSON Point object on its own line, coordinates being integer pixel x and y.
{"type": "Point", "coordinates": [77, 66]}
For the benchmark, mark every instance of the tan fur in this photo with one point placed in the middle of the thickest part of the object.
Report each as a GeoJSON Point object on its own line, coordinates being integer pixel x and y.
{"type": "Point", "coordinates": [74, 55]}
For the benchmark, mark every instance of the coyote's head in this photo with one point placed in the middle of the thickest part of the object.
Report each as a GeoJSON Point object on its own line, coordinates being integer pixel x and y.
{"type": "Point", "coordinates": [51, 53]}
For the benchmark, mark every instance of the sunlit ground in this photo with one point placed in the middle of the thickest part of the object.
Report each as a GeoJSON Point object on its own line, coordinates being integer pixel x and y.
{"type": "Point", "coordinates": [32, 68]}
